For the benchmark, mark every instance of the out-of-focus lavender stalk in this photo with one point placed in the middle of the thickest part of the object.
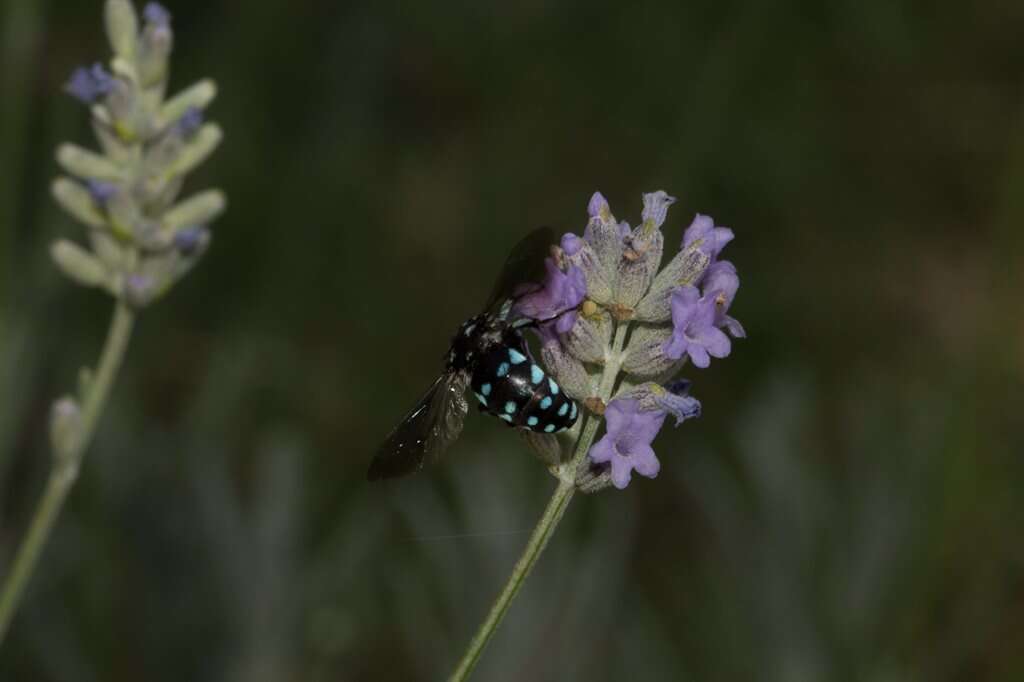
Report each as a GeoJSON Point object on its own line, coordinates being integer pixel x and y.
{"type": "Point", "coordinates": [141, 240]}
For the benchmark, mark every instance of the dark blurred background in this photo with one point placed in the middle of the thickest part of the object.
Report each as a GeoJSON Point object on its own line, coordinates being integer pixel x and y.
{"type": "Point", "coordinates": [848, 508]}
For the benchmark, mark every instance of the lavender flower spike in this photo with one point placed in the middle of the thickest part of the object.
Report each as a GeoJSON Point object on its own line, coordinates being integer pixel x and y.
{"type": "Point", "coordinates": [626, 446]}
{"type": "Point", "coordinates": [693, 329]}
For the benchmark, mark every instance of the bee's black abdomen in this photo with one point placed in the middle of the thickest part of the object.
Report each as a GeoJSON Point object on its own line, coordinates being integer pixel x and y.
{"type": "Point", "coordinates": [518, 391]}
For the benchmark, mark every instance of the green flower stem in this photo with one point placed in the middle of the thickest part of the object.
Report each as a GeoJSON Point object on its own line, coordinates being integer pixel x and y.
{"type": "Point", "coordinates": [548, 521]}
{"type": "Point", "coordinates": [66, 464]}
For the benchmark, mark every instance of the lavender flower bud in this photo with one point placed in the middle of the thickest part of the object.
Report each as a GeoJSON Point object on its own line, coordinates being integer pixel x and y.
{"type": "Point", "coordinates": [108, 250]}
{"type": "Point", "coordinates": [198, 209]}
{"type": "Point", "coordinates": [580, 253]}
{"type": "Point", "coordinates": [196, 150]}
{"type": "Point", "coordinates": [124, 215]}
{"type": "Point", "coordinates": [126, 110]}
{"type": "Point", "coordinates": [592, 478]}
{"type": "Point", "coordinates": [155, 45]}
{"type": "Point", "coordinates": [197, 96]}
{"type": "Point", "coordinates": [78, 264]}
{"type": "Point", "coordinates": [83, 163]}
{"type": "Point", "coordinates": [638, 266]}
{"type": "Point", "coordinates": [567, 370]}
{"type": "Point", "coordinates": [122, 27]}
{"type": "Point", "coordinates": [687, 267]}
{"type": "Point", "coordinates": [589, 338]}
{"type": "Point", "coordinates": [113, 146]}
{"type": "Point", "coordinates": [77, 201]}
{"type": "Point", "coordinates": [656, 209]}
{"type": "Point", "coordinates": [645, 356]}
{"type": "Point", "coordinates": [603, 234]}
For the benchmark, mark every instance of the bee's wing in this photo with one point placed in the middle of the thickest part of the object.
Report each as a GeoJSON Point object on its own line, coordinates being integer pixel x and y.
{"type": "Point", "coordinates": [524, 268]}
{"type": "Point", "coordinates": [426, 431]}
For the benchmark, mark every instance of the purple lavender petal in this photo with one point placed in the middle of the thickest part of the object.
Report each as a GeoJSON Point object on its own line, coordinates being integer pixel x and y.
{"type": "Point", "coordinates": [88, 84]}
{"type": "Point", "coordinates": [715, 341]}
{"type": "Point", "coordinates": [644, 461]}
{"type": "Point", "coordinates": [698, 356]}
{"type": "Point", "coordinates": [621, 472]}
{"type": "Point", "coordinates": [721, 277]}
{"type": "Point", "coordinates": [626, 444]}
{"type": "Point", "coordinates": [721, 283]}
{"type": "Point", "coordinates": [733, 326]}
{"type": "Point", "coordinates": [189, 122]}
{"type": "Point", "coordinates": [101, 191]}
{"type": "Point", "coordinates": [571, 244]}
{"type": "Point", "coordinates": [187, 240]}
{"type": "Point", "coordinates": [561, 292]}
{"type": "Point", "coordinates": [694, 330]}
{"type": "Point", "coordinates": [597, 204]}
{"type": "Point", "coordinates": [565, 322]}
{"type": "Point", "coordinates": [714, 238]}
{"type": "Point", "coordinates": [602, 451]}
{"type": "Point", "coordinates": [156, 14]}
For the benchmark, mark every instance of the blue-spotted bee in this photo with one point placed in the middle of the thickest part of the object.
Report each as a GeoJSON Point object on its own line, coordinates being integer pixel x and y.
{"type": "Point", "coordinates": [489, 355]}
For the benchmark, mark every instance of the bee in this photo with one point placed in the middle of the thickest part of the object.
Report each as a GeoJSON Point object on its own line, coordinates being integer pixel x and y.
{"type": "Point", "coordinates": [489, 355]}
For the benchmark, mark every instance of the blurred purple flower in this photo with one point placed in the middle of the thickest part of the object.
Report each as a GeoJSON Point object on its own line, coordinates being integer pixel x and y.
{"type": "Point", "coordinates": [558, 298]}
{"type": "Point", "coordinates": [189, 122]}
{"type": "Point", "coordinates": [713, 238]}
{"type": "Point", "coordinates": [571, 244]}
{"type": "Point", "coordinates": [188, 239]}
{"type": "Point", "coordinates": [101, 191]}
{"type": "Point", "coordinates": [597, 204]}
{"type": "Point", "coordinates": [693, 329]}
{"type": "Point", "coordinates": [156, 14]}
{"type": "Point", "coordinates": [88, 84]}
{"type": "Point", "coordinates": [626, 445]}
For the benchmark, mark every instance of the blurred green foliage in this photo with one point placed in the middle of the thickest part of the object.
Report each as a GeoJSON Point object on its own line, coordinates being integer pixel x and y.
{"type": "Point", "coordinates": [849, 506]}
